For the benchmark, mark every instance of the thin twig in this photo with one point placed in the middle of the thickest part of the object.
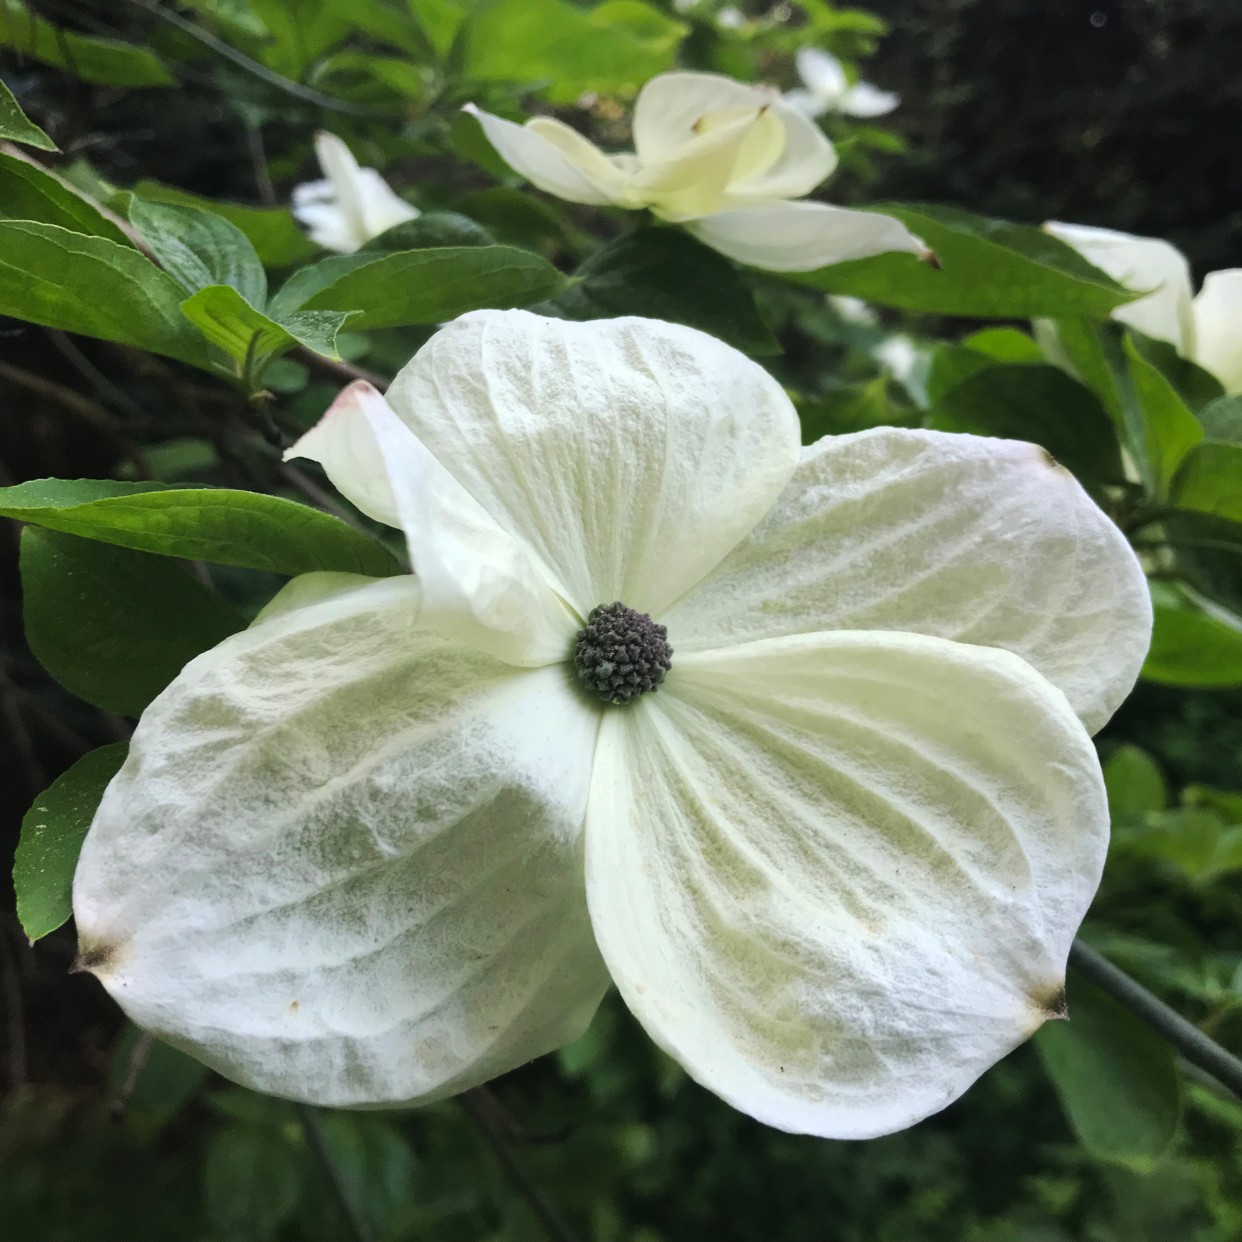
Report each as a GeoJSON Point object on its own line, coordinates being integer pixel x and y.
{"type": "Point", "coordinates": [1187, 1038]}
{"type": "Point", "coordinates": [319, 1146]}
{"type": "Point", "coordinates": [482, 1115]}
{"type": "Point", "coordinates": [258, 161]}
{"type": "Point", "coordinates": [16, 1013]}
{"type": "Point", "coordinates": [337, 369]}
{"type": "Point", "coordinates": [138, 1057]}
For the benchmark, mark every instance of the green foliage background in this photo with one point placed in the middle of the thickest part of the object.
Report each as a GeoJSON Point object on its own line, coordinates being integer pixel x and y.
{"type": "Point", "coordinates": [1118, 113]}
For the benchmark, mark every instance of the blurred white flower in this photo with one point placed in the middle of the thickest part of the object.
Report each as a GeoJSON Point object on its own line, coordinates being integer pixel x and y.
{"type": "Point", "coordinates": [1204, 327]}
{"type": "Point", "coordinates": [724, 159]}
{"type": "Point", "coordinates": [395, 838]}
{"type": "Point", "coordinates": [851, 309]}
{"type": "Point", "coordinates": [730, 18]}
{"type": "Point", "coordinates": [825, 88]}
{"type": "Point", "coordinates": [899, 356]}
{"type": "Point", "coordinates": [352, 205]}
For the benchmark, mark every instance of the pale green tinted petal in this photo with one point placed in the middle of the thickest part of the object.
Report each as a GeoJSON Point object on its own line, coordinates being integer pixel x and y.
{"type": "Point", "coordinates": [806, 158]}
{"type": "Point", "coordinates": [671, 105]}
{"type": "Point", "coordinates": [1218, 327]}
{"type": "Point", "coordinates": [584, 154]}
{"type": "Point", "coordinates": [837, 876]}
{"type": "Point", "coordinates": [543, 163]}
{"type": "Point", "coordinates": [980, 540]}
{"type": "Point", "coordinates": [800, 237]}
{"type": "Point", "coordinates": [629, 455]}
{"type": "Point", "coordinates": [1140, 263]}
{"type": "Point", "coordinates": [311, 588]}
{"type": "Point", "coordinates": [343, 861]}
{"type": "Point", "coordinates": [480, 585]}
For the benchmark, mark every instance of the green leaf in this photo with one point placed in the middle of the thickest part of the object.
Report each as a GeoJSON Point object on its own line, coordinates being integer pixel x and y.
{"type": "Point", "coordinates": [1167, 427]}
{"type": "Point", "coordinates": [990, 269]}
{"type": "Point", "coordinates": [251, 1184]}
{"type": "Point", "coordinates": [198, 248]}
{"type": "Point", "coordinates": [664, 274]}
{"type": "Point", "coordinates": [1135, 784]}
{"type": "Point", "coordinates": [1004, 345]}
{"type": "Point", "coordinates": [1194, 840]}
{"type": "Point", "coordinates": [114, 626]}
{"type": "Point", "coordinates": [1192, 643]}
{"type": "Point", "coordinates": [251, 338]}
{"type": "Point", "coordinates": [202, 524]}
{"type": "Point", "coordinates": [429, 286]}
{"type": "Point", "coordinates": [612, 50]}
{"type": "Point", "coordinates": [105, 62]}
{"type": "Point", "coordinates": [52, 835]}
{"type": "Point", "coordinates": [272, 231]}
{"type": "Point", "coordinates": [1195, 386]}
{"type": "Point", "coordinates": [432, 228]}
{"type": "Point", "coordinates": [1034, 402]}
{"type": "Point", "coordinates": [16, 126]}
{"type": "Point", "coordinates": [1222, 419]}
{"type": "Point", "coordinates": [951, 365]}
{"type": "Point", "coordinates": [27, 192]}
{"type": "Point", "coordinates": [1115, 1078]}
{"type": "Point", "coordinates": [1210, 480]}
{"type": "Point", "coordinates": [63, 279]}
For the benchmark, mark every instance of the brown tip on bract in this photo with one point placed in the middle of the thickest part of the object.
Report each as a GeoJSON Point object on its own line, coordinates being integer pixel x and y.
{"type": "Point", "coordinates": [91, 958]}
{"type": "Point", "coordinates": [931, 259]}
{"type": "Point", "coordinates": [1056, 1008]}
{"type": "Point", "coordinates": [1048, 459]}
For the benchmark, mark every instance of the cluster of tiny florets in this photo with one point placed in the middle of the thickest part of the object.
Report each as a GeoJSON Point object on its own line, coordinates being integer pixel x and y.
{"type": "Point", "coordinates": [621, 653]}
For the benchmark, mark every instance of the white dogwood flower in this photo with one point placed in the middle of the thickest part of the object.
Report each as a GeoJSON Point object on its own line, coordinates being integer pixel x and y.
{"type": "Point", "coordinates": [825, 88]}
{"type": "Point", "coordinates": [831, 845]}
{"type": "Point", "coordinates": [351, 205]}
{"type": "Point", "coordinates": [727, 161]}
{"type": "Point", "coordinates": [1205, 327]}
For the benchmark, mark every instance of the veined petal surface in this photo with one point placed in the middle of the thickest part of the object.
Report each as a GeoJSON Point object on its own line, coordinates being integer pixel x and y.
{"type": "Point", "coordinates": [800, 237]}
{"type": "Point", "coordinates": [979, 540]}
{"type": "Point", "coordinates": [629, 455]}
{"type": "Point", "coordinates": [837, 876]}
{"type": "Point", "coordinates": [343, 861]}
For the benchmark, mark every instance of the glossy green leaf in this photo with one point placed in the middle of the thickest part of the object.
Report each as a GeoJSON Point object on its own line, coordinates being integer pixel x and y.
{"type": "Point", "coordinates": [1135, 784]}
{"type": "Point", "coordinates": [1222, 419]}
{"type": "Point", "coordinates": [430, 286]}
{"type": "Point", "coordinates": [277, 238]}
{"type": "Point", "coordinates": [989, 269]}
{"type": "Point", "coordinates": [1210, 480]}
{"type": "Point", "coordinates": [1034, 402]}
{"type": "Point", "coordinates": [16, 126]}
{"type": "Point", "coordinates": [105, 62]}
{"type": "Point", "coordinates": [1193, 643]}
{"type": "Point", "coordinates": [1115, 1078]}
{"type": "Point", "coordinates": [432, 228]}
{"type": "Point", "coordinates": [252, 338]}
{"type": "Point", "coordinates": [250, 1182]}
{"type": "Point", "coordinates": [664, 274]}
{"type": "Point", "coordinates": [111, 625]}
{"type": "Point", "coordinates": [225, 527]}
{"type": "Point", "coordinates": [52, 835]}
{"type": "Point", "coordinates": [1004, 345]}
{"type": "Point", "coordinates": [199, 248]}
{"type": "Point", "coordinates": [1169, 429]}
{"type": "Point", "coordinates": [27, 192]}
{"type": "Point", "coordinates": [63, 279]}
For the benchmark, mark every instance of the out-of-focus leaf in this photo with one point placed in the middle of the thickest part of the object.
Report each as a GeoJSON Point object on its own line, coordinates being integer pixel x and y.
{"type": "Point", "coordinates": [251, 1183]}
{"type": "Point", "coordinates": [273, 232]}
{"type": "Point", "coordinates": [432, 228]}
{"type": "Point", "coordinates": [853, 407]}
{"type": "Point", "coordinates": [225, 527]}
{"type": "Point", "coordinates": [1169, 429]}
{"type": "Point", "coordinates": [167, 1081]}
{"type": "Point", "coordinates": [1004, 345]}
{"type": "Point", "coordinates": [1222, 419]}
{"type": "Point", "coordinates": [1135, 784]}
{"type": "Point", "coordinates": [514, 216]}
{"type": "Point", "coordinates": [1196, 840]}
{"type": "Point", "coordinates": [199, 248]}
{"type": "Point", "coordinates": [105, 62]}
{"type": "Point", "coordinates": [1192, 643]}
{"type": "Point", "coordinates": [1034, 402]}
{"type": "Point", "coordinates": [425, 286]}
{"type": "Point", "coordinates": [1210, 480]}
{"type": "Point", "coordinates": [16, 126]}
{"type": "Point", "coordinates": [112, 625]}
{"type": "Point", "coordinates": [63, 279]}
{"type": "Point", "coordinates": [950, 366]}
{"type": "Point", "coordinates": [1115, 1077]}
{"type": "Point", "coordinates": [662, 274]}
{"type": "Point", "coordinates": [52, 835]}
{"type": "Point", "coordinates": [27, 192]}
{"type": "Point", "coordinates": [989, 269]}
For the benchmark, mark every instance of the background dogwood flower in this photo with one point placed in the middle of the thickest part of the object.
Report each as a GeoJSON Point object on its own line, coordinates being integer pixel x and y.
{"type": "Point", "coordinates": [825, 88]}
{"type": "Point", "coordinates": [351, 205]}
{"type": "Point", "coordinates": [726, 160]}
{"type": "Point", "coordinates": [383, 845]}
{"type": "Point", "coordinates": [1204, 327]}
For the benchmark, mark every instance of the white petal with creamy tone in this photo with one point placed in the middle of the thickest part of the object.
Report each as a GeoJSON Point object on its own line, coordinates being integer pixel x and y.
{"type": "Point", "coordinates": [837, 876]}
{"type": "Point", "coordinates": [865, 101]}
{"type": "Point", "coordinates": [979, 540]}
{"type": "Point", "coordinates": [629, 455]}
{"type": "Point", "coordinates": [1218, 327]}
{"type": "Point", "coordinates": [800, 237]}
{"type": "Point", "coordinates": [343, 861]}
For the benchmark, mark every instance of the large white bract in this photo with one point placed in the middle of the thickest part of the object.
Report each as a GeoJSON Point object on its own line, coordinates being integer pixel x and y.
{"type": "Point", "coordinates": [381, 846]}
{"type": "Point", "coordinates": [726, 160]}
{"type": "Point", "coordinates": [1205, 327]}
